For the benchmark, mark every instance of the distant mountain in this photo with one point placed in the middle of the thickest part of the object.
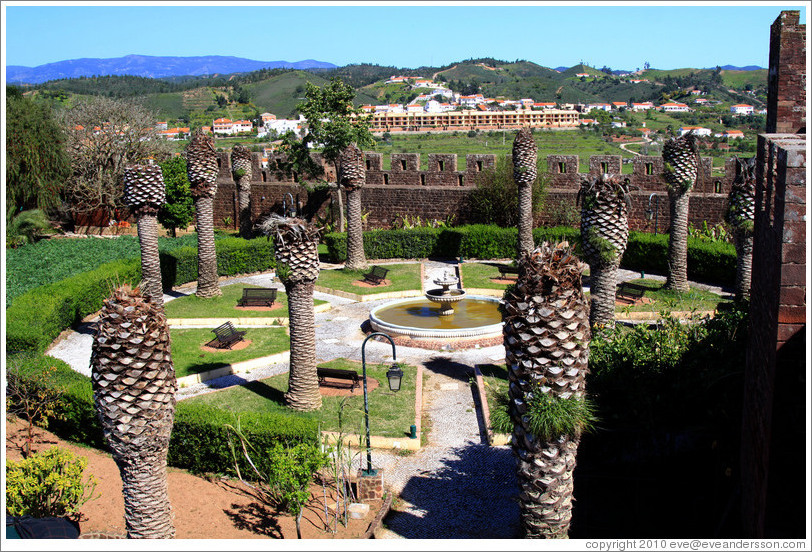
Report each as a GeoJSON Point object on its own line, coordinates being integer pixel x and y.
{"type": "Point", "coordinates": [149, 66]}
{"type": "Point", "coordinates": [734, 68]}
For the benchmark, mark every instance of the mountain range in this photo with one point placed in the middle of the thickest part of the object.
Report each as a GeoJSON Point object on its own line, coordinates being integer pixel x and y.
{"type": "Point", "coordinates": [149, 66]}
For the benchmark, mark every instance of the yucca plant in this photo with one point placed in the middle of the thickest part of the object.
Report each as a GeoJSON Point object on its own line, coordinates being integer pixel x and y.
{"type": "Point", "coordinates": [352, 176]}
{"type": "Point", "coordinates": [681, 159]}
{"type": "Point", "coordinates": [525, 153]}
{"type": "Point", "coordinates": [201, 167]}
{"type": "Point", "coordinates": [134, 389]}
{"type": "Point", "coordinates": [297, 265]}
{"type": "Point", "coordinates": [241, 167]}
{"type": "Point", "coordinates": [144, 192]}
{"type": "Point", "coordinates": [605, 204]}
{"type": "Point", "coordinates": [546, 336]}
{"type": "Point", "coordinates": [740, 215]}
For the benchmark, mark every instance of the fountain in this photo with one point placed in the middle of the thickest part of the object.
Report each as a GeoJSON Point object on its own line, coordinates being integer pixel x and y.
{"type": "Point", "coordinates": [443, 313]}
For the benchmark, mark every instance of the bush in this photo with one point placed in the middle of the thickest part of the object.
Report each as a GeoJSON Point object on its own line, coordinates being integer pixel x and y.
{"type": "Point", "coordinates": [496, 196]}
{"type": "Point", "coordinates": [48, 484]}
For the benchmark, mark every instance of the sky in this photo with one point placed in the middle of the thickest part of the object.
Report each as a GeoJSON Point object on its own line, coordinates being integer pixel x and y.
{"type": "Point", "coordinates": [402, 34]}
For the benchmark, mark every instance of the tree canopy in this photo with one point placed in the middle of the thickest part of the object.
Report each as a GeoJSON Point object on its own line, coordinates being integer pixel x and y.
{"type": "Point", "coordinates": [178, 211]}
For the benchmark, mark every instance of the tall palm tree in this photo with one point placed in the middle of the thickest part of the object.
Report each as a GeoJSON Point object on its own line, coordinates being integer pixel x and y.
{"type": "Point", "coordinates": [525, 153]}
{"type": "Point", "coordinates": [740, 215]}
{"type": "Point", "coordinates": [604, 232]}
{"type": "Point", "coordinates": [297, 265]}
{"type": "Point", "coordinates": [242, 169]}
{"type": "Point", "coordinates": [352, 177]}
{"type": "Point", "coordinates": [144, 191]}
{"type": "Point", "coordinates": [134, 389]}
{"type": "Point", "coordinates": [681, 157]}
{"type": "Point", "coordinates": [546, 337]}
{"type": "Point", "coordinates": [201, 167]}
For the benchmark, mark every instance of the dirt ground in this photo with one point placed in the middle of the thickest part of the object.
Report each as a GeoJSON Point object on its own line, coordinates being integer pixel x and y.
{"type": "Point", "coordinates": [203, 508]}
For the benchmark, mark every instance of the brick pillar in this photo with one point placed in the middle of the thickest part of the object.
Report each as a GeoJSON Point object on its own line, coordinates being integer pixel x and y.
{"type": "Point", "coordinates": [370, 487]}
{"type": "Point", "coordinates": [786, 81]}
{"type": "Point", "coordinates": [777, 321]}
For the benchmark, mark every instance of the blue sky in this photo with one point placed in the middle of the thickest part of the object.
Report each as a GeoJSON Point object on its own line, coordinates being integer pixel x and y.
{"type": "Point", "coordinates": [619, 36]}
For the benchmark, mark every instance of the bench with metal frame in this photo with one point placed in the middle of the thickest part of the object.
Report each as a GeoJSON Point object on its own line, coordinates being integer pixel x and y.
{"type": "Point", "coordinates": [257, 297]}
{"type": "Point", "coordinates": [376, 275]}
{"type": "Point", "coordinates": [227, 336]}
{"type": "Point", "coordinates": [630, 292]}
{"type": "Point", "coordinates": [504, 270]}
{"type": "Point", "coordinates": [338, 373]}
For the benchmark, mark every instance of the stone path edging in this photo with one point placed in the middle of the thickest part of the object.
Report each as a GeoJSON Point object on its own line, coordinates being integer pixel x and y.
{"type": "Point", "coordinates": [235, 368]}
{"type": "Point", "coordinates": [369, 297]}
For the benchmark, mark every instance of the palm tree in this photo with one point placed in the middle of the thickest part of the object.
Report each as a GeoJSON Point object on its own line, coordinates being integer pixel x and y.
{"type": "Point", "coordinates": [546, 337]}
{"type": "Point", "coordinates": [297, 265]}
{"type": "Point", "coordinates": [352, 177]}
{"type": "Point", "coordinates": [524, 173]}
{"type": "Point", "coordinates": [681, 157]}
{"type": "Point", "coordinates": [144, 191]}
{"type": "Point", "coordinates": [740, 214]}
{"type": "Point", "coordinates": [201, 167]}
{"type": "Point", "coordinates": [134, 389]}
{"type": "Point", "coordinates": [242, 169]}
{"type": "Point", "coordinates": [604, 232]}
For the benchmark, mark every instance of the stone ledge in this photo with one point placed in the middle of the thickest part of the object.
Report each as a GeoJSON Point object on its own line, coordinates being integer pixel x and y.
{"type": "Point", "coordinates": [371, 296]}
{"type": "Point", "coordinates": [236, 368]}
{"type": "Point", "coordinates": [396, 443]}
{"type": "Point", "coordinates": [240, 321]}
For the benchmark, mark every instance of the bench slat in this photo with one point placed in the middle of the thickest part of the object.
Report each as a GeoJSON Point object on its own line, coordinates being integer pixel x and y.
{"type": "Point", "coordinates": [376, 275]}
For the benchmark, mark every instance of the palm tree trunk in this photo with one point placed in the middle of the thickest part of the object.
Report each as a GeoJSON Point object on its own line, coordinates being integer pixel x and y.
{"type": "Point", "coordinates": [525, 219]}
{"type": "Point", "coordinates": [355, 234]}
{"type": "Point", "coordinates": [603, 283]}
{"type": "Point", "coordinates": [744, 262]}
{"type": "Point", "coordinates": [303, 384]}
{"type": "Point", "coordinates": [546, 487]}
{"type": "Point", "coordinates": [147, 511]}
{"type": "Point", "coordinates": [244, 198]}
{"type": "Point", "coordinates": [150, 261]}
{"type": "Point", "coordinates": [678, 242]}
{"type": "Point", "coordinates": [207, 284]}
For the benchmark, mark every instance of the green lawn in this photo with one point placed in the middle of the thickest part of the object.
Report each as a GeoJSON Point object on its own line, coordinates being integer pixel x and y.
{"type": "Point", "coordinates": [189, 358]}
{"type": "Point", "coordinates": [390, 414]}
{"type": "Point", "coordinates": [694, 299]}
{"type": "Point", "coordinates": [403, 277]}
{"type": "Point", "coordinates": [478, 275]}
{"type": "Point", "coordinates": [224, 306]}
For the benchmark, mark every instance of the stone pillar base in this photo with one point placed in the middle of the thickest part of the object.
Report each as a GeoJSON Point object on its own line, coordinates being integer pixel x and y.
{"type": "Point", "coordinates": [370, 487]}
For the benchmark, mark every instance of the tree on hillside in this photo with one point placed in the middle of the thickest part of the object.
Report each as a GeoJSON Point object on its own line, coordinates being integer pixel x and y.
{"type": "Point", "coordinates": [104, 136]}
{"type": "Point", "coordinates": [179, 209]}
{"type": "Point", "coordinates": [36, 163]}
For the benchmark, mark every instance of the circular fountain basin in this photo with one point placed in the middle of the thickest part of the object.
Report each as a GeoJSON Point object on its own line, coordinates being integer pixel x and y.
{"type": "Point", "coordinates": [474, 316]}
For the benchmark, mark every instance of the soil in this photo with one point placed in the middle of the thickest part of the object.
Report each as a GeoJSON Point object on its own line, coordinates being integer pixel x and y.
{"type": "Point", "coordinates": [363, 284]}
{"type": "Point", "coordinates": [275, 305]}
{"type": "Point", "coordinates": [238, 346]}
{"type": "Point", "coordinates": [504, 280]}
{"type": "Point", "coordinates": [340, 388]}
{"type": "Point", "coordinates": [623, 302]}
{"type": "Point", "coordinates": [204, 508]}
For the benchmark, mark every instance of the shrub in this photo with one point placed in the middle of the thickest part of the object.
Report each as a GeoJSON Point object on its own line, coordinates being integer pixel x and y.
{"type": "Point", "coordinates": [48, 483]}
{"type": "Point", "coordinates": [496, 196]}
{"type": "Point", "coordinates": [29, 396]}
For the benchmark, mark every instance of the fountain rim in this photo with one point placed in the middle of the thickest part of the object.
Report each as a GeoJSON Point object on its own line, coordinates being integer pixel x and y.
{"type": "Point", "coordinates": [488, 330]}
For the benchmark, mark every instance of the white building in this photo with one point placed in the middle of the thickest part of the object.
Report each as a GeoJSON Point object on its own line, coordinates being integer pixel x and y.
{"type": "Point", "coordinates": [674, 107]}
{"type": "Point", "coordinates": [642, 106]}
{"type": "Point", "coordinates": [741, 109]}
{"type": "Point", "coordinates": [697, 130]}
{"type": "Point", "coordinates": [282, 126]}
{"type": "Point", "coordinates": [603, 106]}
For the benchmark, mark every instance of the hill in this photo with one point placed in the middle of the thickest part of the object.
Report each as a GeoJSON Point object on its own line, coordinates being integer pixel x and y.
{"type": "Point", "coordinates": [149, 66]}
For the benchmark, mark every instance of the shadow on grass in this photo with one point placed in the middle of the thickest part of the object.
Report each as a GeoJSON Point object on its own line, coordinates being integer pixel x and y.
{"type": "Point", "coordinates": [447, 367]}
{"type": "Point", "coordinates": [265, 391]}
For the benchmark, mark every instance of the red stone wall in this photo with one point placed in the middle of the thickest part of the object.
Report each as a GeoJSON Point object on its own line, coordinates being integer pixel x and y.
{"type": "Point", "coordinates": [786, 87]}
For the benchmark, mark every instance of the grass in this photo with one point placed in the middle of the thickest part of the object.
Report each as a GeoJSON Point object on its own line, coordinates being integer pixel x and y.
{"type": "Point", "coordinates": [478, 275]}
{"type": "Point", "coordinates": [390, 414]}
{"type": "Point", "coordinates": [189, 358]}
{"type": "Point", "coordinates": [694, 299]}
{"type": "Point", "coordinates": [402, 276]}
{"type": "Point", "coordinates": [224, 306]}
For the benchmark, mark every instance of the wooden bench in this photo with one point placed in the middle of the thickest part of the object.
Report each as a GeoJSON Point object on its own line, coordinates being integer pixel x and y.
{"type": "Point", "coordinates": [630, 292]}
{"type": "Point", "coordinates": [376, 275]}
{"type": "Point", "coordinates": [257, 297]}
{"type": "Point", "coordinates": [337, 373]}
{"type": "Point", "coordinates": [227, 335]}
{"type": "Point", "coordinates": [504, 270]}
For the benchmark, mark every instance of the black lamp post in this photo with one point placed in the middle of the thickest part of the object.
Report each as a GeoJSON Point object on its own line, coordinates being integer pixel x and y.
{"type": "Point", "coordinates": [394, 375]}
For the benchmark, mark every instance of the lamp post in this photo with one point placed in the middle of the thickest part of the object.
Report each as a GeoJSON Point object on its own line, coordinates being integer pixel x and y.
{"type": "Point", "coordinates": [394, 375]}
{"type": "Point", "coordinates": [655, 212]}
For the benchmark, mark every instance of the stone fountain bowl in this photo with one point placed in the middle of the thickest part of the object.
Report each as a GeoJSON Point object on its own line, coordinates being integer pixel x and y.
{"type": "Point", "coordinates": [450, 327]}
{"type": "Point", "coordinates": [445, 296]}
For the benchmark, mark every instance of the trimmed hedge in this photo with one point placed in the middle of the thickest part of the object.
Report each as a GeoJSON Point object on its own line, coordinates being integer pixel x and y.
{"type": "Point", "coordinates": [199, 441]}
{"type": "Point", "coordinates": [37, 317]}
{"type": "Point", "coordinates": [707, 262]}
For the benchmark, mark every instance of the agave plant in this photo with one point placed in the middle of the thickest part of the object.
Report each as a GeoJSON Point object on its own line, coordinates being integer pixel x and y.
{"type": "Point", "coordinates": [605, 204]}
{"type": "Point", "coordinates": [352, 176]}
{"type": "Point", "coordinates": [546, 336]}
{"type": "Point", "coordinates": [201, 167]}
{"type": "Point", "coordinates": [134, 389]}
{"type": "Point", "coordinates": [241, 167]}
{"type": "Point", "coordinates": [144, 191]}
{"type": "Point", "coordinates": [297, 261]}
{"type": "Point", "coordinates": [681, 158]}
{"type": "Point", "coordinates": [525, 153]}
{"type": "Point", "coordinates": [740, 214]}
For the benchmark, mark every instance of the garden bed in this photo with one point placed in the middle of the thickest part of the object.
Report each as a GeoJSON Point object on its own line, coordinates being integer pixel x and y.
{"type": "Point", "coordinates": [405, 281]}
{"type": "Point", "coordinates": [225, 306]}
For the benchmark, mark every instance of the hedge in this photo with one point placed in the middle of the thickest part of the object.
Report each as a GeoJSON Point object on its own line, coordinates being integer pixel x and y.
{"type": "Point", "coordinates": [713, 262]}
{"type": "Point", "coordinates": [37, 317]}
{"type": "Point", "coordinates": [199, 441]}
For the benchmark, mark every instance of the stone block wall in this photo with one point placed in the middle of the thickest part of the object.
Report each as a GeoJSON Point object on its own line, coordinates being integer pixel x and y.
{"type": "Point", "coordinates": [786, 81]}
